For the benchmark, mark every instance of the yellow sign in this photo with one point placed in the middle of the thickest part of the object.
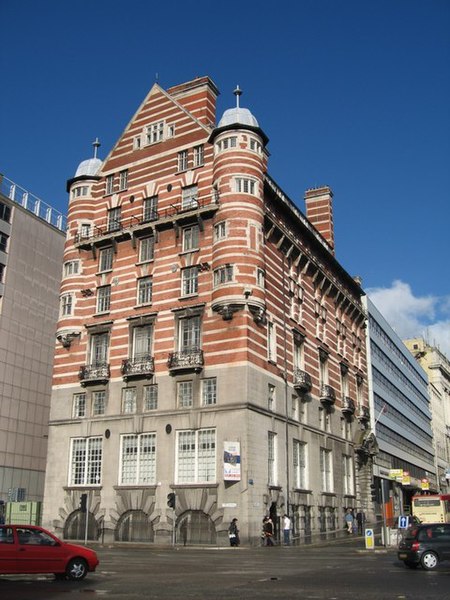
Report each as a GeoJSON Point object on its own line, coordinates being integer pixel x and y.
{"type": "Point", "coordinates": [396, 474]}
{"type": "Point", "coordinates": [370, 540]}
{"type": "Point", "coordinates": [425, 484]}
{"type": "Point", "coordinates": [406, 480]}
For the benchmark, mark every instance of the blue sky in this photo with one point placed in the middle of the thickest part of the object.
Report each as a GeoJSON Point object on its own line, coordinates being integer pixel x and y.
{"type": "Point", "coordinates": [351, 93]}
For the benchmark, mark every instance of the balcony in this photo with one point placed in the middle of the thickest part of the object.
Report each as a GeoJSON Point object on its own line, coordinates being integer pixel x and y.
{"type": "Point", "coordinates": [348, 406]}
{"type": "Point", "coordinates": [142, 366]}
{"type": "Point", "coordinates": [327, 395]}
{"type": "Point", "coordinates": [95, 373]}
{"type": "Point", "coordinates": [302, 381]}
{"type": "Point", "coordinates": [189, 359]}
{"type": "Point", "coordinates": [363, 414]}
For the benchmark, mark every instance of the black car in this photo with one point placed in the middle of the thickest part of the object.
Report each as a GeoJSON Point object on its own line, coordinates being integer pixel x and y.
{"type": "Point", "coordinates": [427, 544]}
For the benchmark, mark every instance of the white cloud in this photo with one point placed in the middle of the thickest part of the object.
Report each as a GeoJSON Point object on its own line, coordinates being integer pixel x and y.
{"type": "Point", "coordinates": [412, 316]}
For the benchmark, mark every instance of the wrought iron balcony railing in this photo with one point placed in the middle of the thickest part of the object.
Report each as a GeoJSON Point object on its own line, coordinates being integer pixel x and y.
{"type": "Point", "coordinates": [95, 373]}
{"type": "Point", "coordinates": [327, 395]}
{"type": "Point", "coordinates": [142, 366]}
{"type": "Point", "coordinates": [189, 359]}
{"type": "Point", "coordinates": [302, 381]}
{"type": "Point", "coordinates": [348, 406]}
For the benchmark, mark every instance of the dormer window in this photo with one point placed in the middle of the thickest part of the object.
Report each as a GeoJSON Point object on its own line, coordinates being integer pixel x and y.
{"type": "Point", "coordinates": [155, 133]}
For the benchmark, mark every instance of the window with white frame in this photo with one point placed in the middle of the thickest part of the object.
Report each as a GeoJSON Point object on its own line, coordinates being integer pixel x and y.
{"type": "Point", "coordinates": [145, 290]}
{"type": "Point", "coordinates": [261, 278]}
{"type": "Point", "coordinates": [79, 406]}
{"type": "Point", "coordinates": [191, 238]}
{"type": "Point", "coordinates": [209, 391]}
{"type": "Point", "coordinates": [150, 209]}
{"type": "Point", "coordinates": [98, 403]}
{"type": "Point", "coordinates": [71, 267]}
{"type": "Point", "coordinates": [199, 156]}
{"type": "Point", "coordinates": [245, 185]}
{"type": "Point", "coordinates": [183, 160]}
{"type": "Point", "coordinates": [129, 403]}
{"type": "Point", "coordinates": [137, 142]}
{"type": "Point", "coordinates": [189, 281]}
{"type": "Point", "coordinates": [189, 197]}
{"type": "Point", "coordinates": [271, 396]}
{"type": "Point", "coordinates": [272, 458]}
{"type": "Point", "coordinates": [105, 259]}
{"type": "Point", "coordinates": [170, 130]}
{"type": "Point", "coordinates": [224, 274]}
{"type": "Point", "coordinates": [123, 180]}
{"type": "Point", "coordinates": [220, 231]}
{"type": "Point", "coordinates": [99, 344]}
{"type": "Point", "coordinates": [85, 461]}
{"type": "Point", "coordinates": [146, 249]}
{"type": "Point", "coordinates": [103, 298]}
{"type": "Point", "coordinates": [185, 393]}
{"type": "Point", "coordinates": [226, 143]}
{"type": "Point", "coordinates": [138, 459]}
{"type": "Point", "coordinates": [326, 469]}
{"type": "Point", "coordinates": [196, 456]}
{"type": "Point", "coordinates": [142, 341]}
{"type": "Point", "coordinates": [114, 219]}
{"type": "Point", "coordinates": [255, 145]}
{"type": "Point", "coordinates": [109, 188]}
{"type": "Point", "coordinates": [66, 305]}
{"type": "Point", "coordinates": [300, 465]}
{"type": "Point", "coordinates": [347, 468]}
{"type": "Point", "coordinates": [151, 397]}
{"type": "Point", "coordinates": [85, 231]}
{"type": "Point", "coordinates": [189, 334]}
{"type": "Point", "coordinates": [155, 133]}
{"type": "Point", "coordinates": [271, 342]}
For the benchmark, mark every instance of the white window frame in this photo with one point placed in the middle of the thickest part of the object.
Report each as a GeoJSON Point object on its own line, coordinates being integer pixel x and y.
{"type": "Point", "coordinates": [114, 218]}
{"type": "Point", "coordinates": [144, 290]}
{"type": "Point", "coordinates": [183, 160]}
{"type": "Point", "coordinates": [189, 281]}
{"type": "Point", "coordinates": [86, 457]}
{"type": "Point", "coordinates": [271, 342]}
{"type": "Point", "coordinates": [79, 406]}
{"type": "Point", "coordinates": [326, 470]}
{"type": "Point", "coordinates": [150, 397]}
{"type": "Point", "coordinates": [272, 474]}
{"type": "Point", "coordinates": [129, 401]}
{"type": "Point", "coordinates": [209, 391]}
{"type": "Point", "coordinates": [348, 475]}
{"type": "Point", "coordinates": [220, 231]}
{"type": "Point", "coordinates": [147, 249]}
{"type": "Point", "coordinates": [191, 238]}
{"type": "Point", "coordinates": [105, 259]}
{"type": "Point", "coordinates": [223, 275]}
{"type": "Point", "coordinates": [185, 393]}
{"type": "Point", "coordinates": [98, 348]}
{"type": "Point", "coordinates": [189, 197]}
{"type": "Point", "coordinates": [123, 180]}
{"type": "Point", "coordinates": [199, 155]}
{"type": "Point", "coordinates": [196, 456]}
{"type": "Point", "coordinates": [150, 209]}
{"type": "Point", "coordinates": [109, 185]}
{"type": "Point", "coordinates": [142, 340]}
{"type": "Point", "coordinates": [154, 133]}
{"type": "Point", "coordinates": [71, 267]}
{"type": "Point", "coordinates": [103, 299]}
{"type": "Point", "coordinates": [245, 185]}
{"type": "Point", "coordinates": [300, 458]}
{"type": "Point", "coordinates": [66, 305]}
{"type": "Point", "coordinates": [189, 333]}
{"type": "Point", "coordinates": [98, 403]}
{"type": "Point", "coordinates": [138, 459]}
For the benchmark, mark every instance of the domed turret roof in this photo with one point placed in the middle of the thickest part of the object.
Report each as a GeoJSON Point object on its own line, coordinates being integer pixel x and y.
{"type": "Point", "coordinates": [88, 167]}
{"type": "Point", "coordinates": [234, 118]}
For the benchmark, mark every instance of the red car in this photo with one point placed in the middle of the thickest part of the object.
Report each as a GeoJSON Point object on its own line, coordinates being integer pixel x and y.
{"type": "Point", "coordinates": [31, 549]}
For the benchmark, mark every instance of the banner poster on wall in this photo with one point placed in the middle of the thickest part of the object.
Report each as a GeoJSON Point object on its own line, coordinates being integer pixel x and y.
{"type": "Point", "coordinates": [232, 461]}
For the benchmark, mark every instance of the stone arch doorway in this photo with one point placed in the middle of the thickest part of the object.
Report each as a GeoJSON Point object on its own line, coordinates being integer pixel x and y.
{"type": "Point", "coordinates": [195, 527]}
{"type": "Point", "coordinates": [134, 526]}
{"type": "Point", "coordinates": [75, 526]}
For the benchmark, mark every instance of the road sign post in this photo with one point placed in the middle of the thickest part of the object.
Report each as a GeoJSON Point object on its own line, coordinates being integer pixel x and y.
{"type": "Point", "coordinates": [370, 541]}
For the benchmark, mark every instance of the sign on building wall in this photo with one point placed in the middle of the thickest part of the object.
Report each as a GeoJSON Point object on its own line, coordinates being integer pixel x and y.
{"type": "Point", "coordinates": [232, 461]}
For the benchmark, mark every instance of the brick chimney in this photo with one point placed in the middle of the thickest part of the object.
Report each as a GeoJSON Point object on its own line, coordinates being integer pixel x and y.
{"type": "Point", "coordinates": [198, 97]}
{"type": "Point", "coordinates": [319, 212]}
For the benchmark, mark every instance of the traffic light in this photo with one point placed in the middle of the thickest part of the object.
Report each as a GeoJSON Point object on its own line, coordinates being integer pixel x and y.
{"type": "Point", "coordinates": [83, 503]}
{"type": "Point", "coordinates": [374, 492]}
{"type": "Point", "coordinates": [171, 500]}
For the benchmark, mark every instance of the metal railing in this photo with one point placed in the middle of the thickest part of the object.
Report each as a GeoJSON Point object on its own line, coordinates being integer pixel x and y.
{"type": "Point", "coordinates": [32, 203]}
{"type": "Point", "coordinates": [134, 367]}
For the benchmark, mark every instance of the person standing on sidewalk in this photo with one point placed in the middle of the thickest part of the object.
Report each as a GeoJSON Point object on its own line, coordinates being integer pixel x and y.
{"type": "Point", "coordinates": [349, 520]}
{"type": "Point", "coordinates": [287, 530]}
{"type": "Point", "coordinates": [233, 533]}
{"type": "Point", "coordinates": [268, 530]}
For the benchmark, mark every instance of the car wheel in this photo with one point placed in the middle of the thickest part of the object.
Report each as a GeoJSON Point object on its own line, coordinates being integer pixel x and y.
{"type": "Point", "coordinates": [410, 564]}
{"type": "Point", "coordinates": [76, 569]}
{"type": "Point", "coordinates": [429, 560]}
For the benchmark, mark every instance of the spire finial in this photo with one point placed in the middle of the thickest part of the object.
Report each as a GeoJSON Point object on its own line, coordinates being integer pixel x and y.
{"type": "Point", "coordinates": [237, 92]}
{"type": "Point", "coordinates": [96, 145]}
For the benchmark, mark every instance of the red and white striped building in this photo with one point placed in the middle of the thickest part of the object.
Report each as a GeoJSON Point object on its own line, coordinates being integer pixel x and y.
{"type": "Point", "coordinates": [210, 345]}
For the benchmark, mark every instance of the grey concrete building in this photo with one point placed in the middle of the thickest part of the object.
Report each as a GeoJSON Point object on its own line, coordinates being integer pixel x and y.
{"type": "Point", "coordinates": [31, 250]}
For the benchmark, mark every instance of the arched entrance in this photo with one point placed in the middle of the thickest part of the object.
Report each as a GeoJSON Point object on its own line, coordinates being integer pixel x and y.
{"type": "Point", "coordinates": [134, 526]}
{"type": "Point", "coordinates": [75, 526]}
{"type": "Point", "coordinates": [195, 527]}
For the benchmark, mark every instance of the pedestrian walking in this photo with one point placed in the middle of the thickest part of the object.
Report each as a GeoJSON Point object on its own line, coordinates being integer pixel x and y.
{"type": "Point", "coordinates": [361, 520]}
{"type": "Point", "coordinates": [349, 520]}
{"type": "Point", "coordinates": [286, 530]}
{"type": "Point", "coordinates": [268, 531]}
{"type": "Point", "coordinates": [233, 533]}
